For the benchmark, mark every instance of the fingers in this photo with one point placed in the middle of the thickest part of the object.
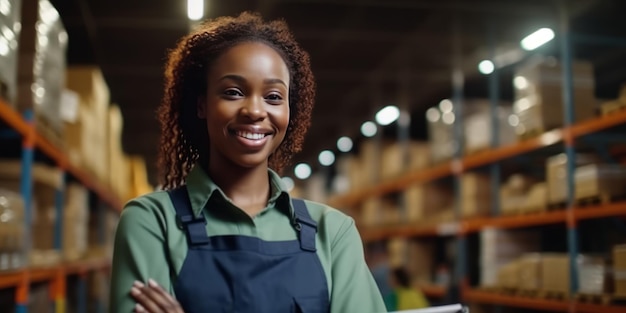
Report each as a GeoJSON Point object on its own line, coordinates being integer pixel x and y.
{"type": "Point", "coordinates": [152, 298]}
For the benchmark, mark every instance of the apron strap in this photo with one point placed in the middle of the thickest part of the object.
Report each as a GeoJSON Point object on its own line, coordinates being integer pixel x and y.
{"type": "Point", "coordinates": [194, 227]}
{"type": "Point", "coordinates": [305, 225]}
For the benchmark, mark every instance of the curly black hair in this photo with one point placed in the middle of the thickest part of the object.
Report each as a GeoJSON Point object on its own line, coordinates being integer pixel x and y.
{"type": "Point", "coordinates": [184, 137]}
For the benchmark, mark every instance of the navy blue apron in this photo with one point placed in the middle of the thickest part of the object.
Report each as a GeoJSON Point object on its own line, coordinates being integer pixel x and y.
{"type": "Point", "coordinates": [246, 274]}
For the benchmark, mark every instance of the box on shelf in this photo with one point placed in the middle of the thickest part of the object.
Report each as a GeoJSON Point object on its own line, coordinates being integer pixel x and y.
{"type": "Point", "coordinates": [349, 175]}
{"type": "Point", "coordinates": [556, 174]}
{"type": "Point", "coordinates": [501, 247]}
{"type": "Point", "coordinates": [420, 264]}
{"type": "Point", "coordinates": [600, 181]}
{"type": "Point", "coordinates": [619, 270]}
{"type": "Point", "coordinates": [46, 181]}
{"type": "Point", "coordinates": [593, 274]}
{"type": "Point", "coordinates": [441, 134]}
{"type": "Point", "coordinates": [89, 134]}
{"type": "Point", "coordinates": [555, 269]}
{"type": "Point", "coordinates": [41, 67]}
{"type": "Point", "coordinates": [138, 177]}
{"type": "Point", "coordinates": [508, 275]}
{"type": "Point", "coordinates": [371, 212]}
{"type": "Point", "coordinates": [12, 232]}
{"type": "Point", "coordinates": [478, 129]}
{"type": "Point", "coordinates": [537, 199]}
{"type": "Point", "coordinates": [514, 193]}
{"type": "Point", "coordinates": [393, 162]}
{"type": "Point", "coordinates": [539, 97]}
{"type": "Point", "coordinates": [424, 201]}
{"type": "Point", "coordinates": [10, 21]}
{"type": "Point", "coordinates": [530, 272]}
{"type": "Point", "coordinates": [75, 222]}
{"type": "Point", "coordinates": [475, 194]}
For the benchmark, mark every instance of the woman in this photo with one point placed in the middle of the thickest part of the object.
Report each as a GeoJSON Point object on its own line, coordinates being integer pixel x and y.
{"type": "Point", "coordinates": [226, 236]}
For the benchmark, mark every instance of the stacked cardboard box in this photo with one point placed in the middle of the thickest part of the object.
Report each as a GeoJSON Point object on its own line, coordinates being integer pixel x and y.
{"type": "Point", "coordinates": [600, 181]}
{"type": "Point", "coordinates": [87, 136]}
{"type": "Point", "coordinates": [12, 233]}
{"type": "Point", "coordinates": [501, 247]}
{"type": "Point", "coordinates": [619, 268]}
{"type": "Point", "coordinates": [394, 163]}
{"type": "Point", "coordinates": [424, 202]}
{"type": "Point", "coordinates": [556, 175]}
{"type": "Point", "coordinates": [479, 131]}
{"type": "Point", "coordinates": [539, 95]}
{"type": "Point", "coordinates": [475, 194]}
{"type": "Point", "coordinates": [11, 26]}
{"type": "Point", "coordinates": [75, 222]}
{"type": "Point", "coordinates": [41, 68]}
{"type": "Point", "coordinates": [514, 193]}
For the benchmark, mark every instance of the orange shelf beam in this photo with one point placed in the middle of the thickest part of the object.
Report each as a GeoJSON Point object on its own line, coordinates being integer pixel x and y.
{"type": "Point", "coordinates": [11, 279]}
{"type": "Point", "coordinates": [15, 120]}
{"type": "Point", "coordinates": [477, 296]}
{"type": "Point", "coordinates": [36, 275]}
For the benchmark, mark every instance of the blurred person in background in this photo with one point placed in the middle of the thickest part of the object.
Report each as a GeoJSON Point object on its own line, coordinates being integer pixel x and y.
{"type": "Point", "coordinates": [404, 296]}
{"type": "Point", "coordinates": [224, 235]}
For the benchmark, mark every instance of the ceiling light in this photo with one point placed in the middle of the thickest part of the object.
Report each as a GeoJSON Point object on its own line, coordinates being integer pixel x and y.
{"type": "Point", "coordinates": [433, 115]}
{"type": "Point", "coordinates": [486, 67]}
{"type": "Point", "coordinates": [448, 118]}
{"type": "Point", "coordinates": [326, 158]}
{"type": "Point", "coordinates": [368, 129]}
{"type": "Point", "coordinates": [344, 144]}
{"type": "Point", "coordinates": [520, 82]}
{"type": "Point", "coordinates": [195, 9]}
{"type": "Point", "coordinates": [537, 39]}
{"type": "Point", "coordinates": [387, 115]}
{"type": "Point", "coordinates": [446, 106]}
{"type": "Point", "coordinates": [302, 171]}
{"type": "Point", "coordinates": [289, 183]}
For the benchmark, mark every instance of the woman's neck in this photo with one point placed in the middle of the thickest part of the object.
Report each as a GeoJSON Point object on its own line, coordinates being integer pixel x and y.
{"type": "Point", "coordinates": [247, 188]}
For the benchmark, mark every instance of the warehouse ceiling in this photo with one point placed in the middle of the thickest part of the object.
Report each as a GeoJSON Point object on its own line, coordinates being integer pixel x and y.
{"type": "Point", "coordinates": [365, 53]}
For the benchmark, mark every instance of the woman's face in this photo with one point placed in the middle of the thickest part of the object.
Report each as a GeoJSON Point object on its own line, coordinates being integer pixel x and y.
{"type": "Point", "coordinates": [246, 105]}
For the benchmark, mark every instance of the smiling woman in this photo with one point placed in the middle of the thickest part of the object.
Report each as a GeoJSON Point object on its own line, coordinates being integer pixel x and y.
{"type": "Point", "coordinates": [225, 235]}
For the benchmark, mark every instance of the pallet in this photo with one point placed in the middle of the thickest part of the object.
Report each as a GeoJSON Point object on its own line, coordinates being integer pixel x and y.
{"type": "Point", "coordinates": [612, 107]}
{"type": "Point", "coordinates": [553, 295]}
{"type": "Point", "coordinates": [557, 206]}
{"type": "Point", "coordinates": [603, 198]}
{"type": "Point", "coordinates": [603, 298]}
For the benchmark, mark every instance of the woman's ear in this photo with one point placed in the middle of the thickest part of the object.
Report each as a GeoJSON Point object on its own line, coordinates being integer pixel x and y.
{"type": "Point", "coordinates": [201, 107]}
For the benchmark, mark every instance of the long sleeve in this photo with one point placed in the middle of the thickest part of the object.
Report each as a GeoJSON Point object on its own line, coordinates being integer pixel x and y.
{"type": "Point", "coordinates": [139, 254]}
{"type": "Point", "coordinates": [354, 288]}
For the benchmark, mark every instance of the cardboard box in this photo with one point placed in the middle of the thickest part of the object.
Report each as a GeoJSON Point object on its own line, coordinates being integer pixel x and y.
{"type": "Point", "coordinates": [556, 175]}
{"type": "Point", "coordinates": [538, 95]}
{"type": "Point", "coordinates": [601, 181]}
{"type": "Point", "coordinates": [395, 162]}
{"type": "Point", "coordinates": [537, 199]}
{"type": "Point", "coordinates": [619, 268]}
{"type": "Point", "coordinates": [478, 130]}
{"type": "Point", "coordinates": [530, 272]}
{"type": "Point", "coordinates": [555, 273]}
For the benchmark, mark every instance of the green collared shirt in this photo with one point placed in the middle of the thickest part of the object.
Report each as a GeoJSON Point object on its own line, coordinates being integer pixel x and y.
{"type": "Point", "coordinates": [148, 243]}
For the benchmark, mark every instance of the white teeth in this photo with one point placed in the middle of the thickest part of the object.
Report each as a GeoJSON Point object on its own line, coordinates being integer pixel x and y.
{"type": "Point", "coordinates": [251, 136]}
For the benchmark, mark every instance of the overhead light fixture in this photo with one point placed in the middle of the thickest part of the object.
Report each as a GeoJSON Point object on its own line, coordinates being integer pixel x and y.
{"type": "Point", "coordinates": [195, 9]}
{"type": "Point", "coordinates": [344, 144]}
{"type": "Point", "coordinates": [368, 129]}
{"type": "Point", "coordinates": [486, 67]}
{"type": "Point", "coordinates": [326, 158]}
{"type": "Point", "coordinates": [302, 171]}
{"type": "Point", "coordinates": [387, 115]}
{"type": "Point", "coordinates": [537, 39]}
{"type": "Point", "coordinates": [446, 106]}
{"type": "Point", "coordinates": [289, 183]}
{"type": "Point", "coordinates": [433, 115]}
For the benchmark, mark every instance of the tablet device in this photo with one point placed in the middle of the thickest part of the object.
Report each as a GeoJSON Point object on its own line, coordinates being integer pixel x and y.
{"type": "Point", "coordinates": [453, 308]}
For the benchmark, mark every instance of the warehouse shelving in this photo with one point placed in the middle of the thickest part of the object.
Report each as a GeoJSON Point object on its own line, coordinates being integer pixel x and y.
{"type": "Point", "coordinates": [486, 157]}
{"type": "Point", "coordinates": [27, 130]}
{"type": "Point", "coordinates": [56, 276]}
{"type": "Point", "coordinates": [504, 222]}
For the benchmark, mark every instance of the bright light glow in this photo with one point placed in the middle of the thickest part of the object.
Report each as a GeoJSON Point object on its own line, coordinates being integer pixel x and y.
{"type": "Point", "coordinates": [433, 115]}
{"type": "Point", "coordinates": [387, 115]}
{"type": "Point", "coordinates": [4, 47]}
{"type": "Point", "coordinates": [520, 82]}
{"type": "Point", "coordinates": [513, 120]}
{"type": "Point", "coordinates": [289, 183]}
{"type": "Point", "coordinates": [326, 158]}
{"type": "Point", "coordinates": [446, 106]}
{"type": "Point", "coordinates": [537, 39]}
{"type": "Point", "coordinates": [195, 9]}
{"type": "Point", "coordinates": [521, 105]}
{"type": "Point", "coordinates": [344, 144]}
{"type": "Point", "coordinates": [368, 129]}
{"type": "Point", "coordinates": [302, 171]}
{"type": "Point", "coordinates": [486, 67]}
{"type": "Point", "coordinates": [448, 118]}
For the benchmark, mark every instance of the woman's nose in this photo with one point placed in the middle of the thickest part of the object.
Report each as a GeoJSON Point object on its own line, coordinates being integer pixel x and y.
{"type": "Point", "coordinates": [253, 108]}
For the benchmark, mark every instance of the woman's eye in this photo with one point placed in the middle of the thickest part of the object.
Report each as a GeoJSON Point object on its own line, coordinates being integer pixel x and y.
{"type": "Point", "coordinates": [274, 97]}
{"type": "Point", "coordinates": [233, 93]}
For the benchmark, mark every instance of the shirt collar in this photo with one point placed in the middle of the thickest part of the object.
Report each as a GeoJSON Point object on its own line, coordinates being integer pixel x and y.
{"type": "Point", "coordinates": [201, 188]}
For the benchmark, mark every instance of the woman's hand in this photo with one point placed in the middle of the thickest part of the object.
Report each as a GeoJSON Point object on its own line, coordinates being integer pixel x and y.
{"type": "Point", "coordinates": [151, 298]}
